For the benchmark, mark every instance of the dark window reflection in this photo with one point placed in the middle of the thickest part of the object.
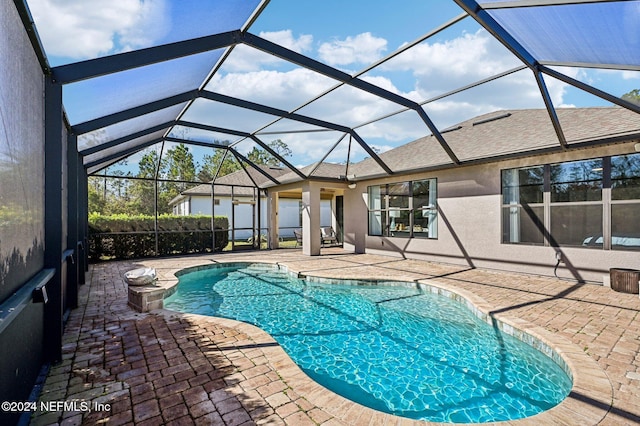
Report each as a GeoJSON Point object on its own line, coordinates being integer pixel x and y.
{"type": "Point", "coordinates": [625, 177]}
{"type": "Point", "coordinates": [521, 186]}
{"type": "Point", "coordinates": [577, 181]}
{"type": "Point", "coordinates": [399, 195]}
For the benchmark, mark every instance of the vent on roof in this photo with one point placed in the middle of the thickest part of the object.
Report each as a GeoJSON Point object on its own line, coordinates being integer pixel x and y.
{"type": "Point", "coordinates": [450, 129]}
{"type": "Point", "coordinates": [497, 117]}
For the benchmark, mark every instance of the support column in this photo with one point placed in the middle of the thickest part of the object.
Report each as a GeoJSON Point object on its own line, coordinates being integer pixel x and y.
{"type": "Point", "coordinates": [274, 222]}
{"type": "Point", "coordinates": [311, 218]}
{"type": "Point", "coordinates": [53, 174]}
{"type": "Point", "coordinates": [73, 221]}
{"type": "Point", "coordinates": [83, 205]}
{"type": "Point", "coordinates": [334, 214]}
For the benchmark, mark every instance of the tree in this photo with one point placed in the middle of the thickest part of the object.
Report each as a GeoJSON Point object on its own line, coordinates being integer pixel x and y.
{"type": "Point", "coordinates": [109, 195]}
{"type": "Point", "coordinates": [263, 157]}
{"type": "Point", "coordinates": [375, 149]}
{"type": "Point", "coordinates": [178, 165]}
{"type": "Point", "coordinates": [209, 167]}
{"type": "Point", "coordinates": [633, 96]}
{"type": "Point", "coordinates": [178, 168]}
{"type": "Point", "coordinates": [259, 156]}
{"type": "Point", "coordinates": [148, 165]}
{"type": "Point", "coordinates": [94, 192]}
{"type": "Point", "coordinates": [142, 191]}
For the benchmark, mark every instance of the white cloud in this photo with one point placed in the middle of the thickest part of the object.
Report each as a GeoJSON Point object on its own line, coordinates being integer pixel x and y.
{"type": "Point", "coordinates": [284, 90]}
{"type": "Point", "coordinates": [442, 66]}
{"type": "Point", "coordinates": [286, 39]}
{"type": "Point", "coordinates": [81, 29]}
{"type": "Point", "coordinates": [428, 70]}
{"type": "Point", "coordinates": [363, 49]}
{"type": "Point", "coordinates": [454, 63]}
{"type": "Point", "coordinates": [630, 75]}
{"type": "Point", "coordinates": [244, 58]}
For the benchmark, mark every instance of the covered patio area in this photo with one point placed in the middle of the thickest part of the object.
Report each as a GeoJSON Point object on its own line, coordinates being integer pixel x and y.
{"type": "Point", "coordinates": [165, 367]}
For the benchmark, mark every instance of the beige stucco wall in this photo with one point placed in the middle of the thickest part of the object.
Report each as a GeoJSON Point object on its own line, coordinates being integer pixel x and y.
{"type": "Point", "coordinates": [469, 224]}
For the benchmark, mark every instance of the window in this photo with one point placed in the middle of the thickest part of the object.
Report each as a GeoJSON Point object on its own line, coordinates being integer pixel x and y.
{"type": "Point", "coordinates": [522, 205]}
{"type": "Point", "coordinates": [377, 216]}
{"type": "Point", "coordinates": [576, 202]}
{"type": "Point", "coordinates": [588, 203]}
{"type": "Point", "coordinates": [399, 213]}
{"type": "Point", "coordinates": [576, 181]}
{"type": "Point", "coordinates": [625, 177]}
{"type": "Point", "coordinates": [404, 209]}
{"type": "Point", "coordinates": [424, 209]}
{"type": "Point", "coordinates": [625, 202]}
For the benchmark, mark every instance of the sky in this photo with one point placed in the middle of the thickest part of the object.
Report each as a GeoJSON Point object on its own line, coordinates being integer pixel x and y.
{"type": "Point", "coordinates": [350, 36]}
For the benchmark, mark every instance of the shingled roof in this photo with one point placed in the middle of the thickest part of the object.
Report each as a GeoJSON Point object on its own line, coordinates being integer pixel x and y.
{"type": "Point", "coordinates": [486, 137]}
{"type": "Point", "coordinates": [322, 170]}
{"type": "Point", "coordinates": [505, 133]}
{"type": "Point", "coordinates": [239, 177]}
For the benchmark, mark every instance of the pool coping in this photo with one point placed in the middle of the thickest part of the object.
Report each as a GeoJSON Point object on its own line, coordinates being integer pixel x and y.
{"type": "Point", "coordinates": [590, 398]}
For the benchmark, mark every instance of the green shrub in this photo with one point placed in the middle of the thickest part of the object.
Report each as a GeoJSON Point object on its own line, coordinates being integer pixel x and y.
{"type": "Point", "coordinates": [128, 237]}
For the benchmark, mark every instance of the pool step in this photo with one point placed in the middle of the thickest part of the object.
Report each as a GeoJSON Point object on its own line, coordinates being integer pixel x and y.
{"type": "Point", "coordinates": [263, 270]}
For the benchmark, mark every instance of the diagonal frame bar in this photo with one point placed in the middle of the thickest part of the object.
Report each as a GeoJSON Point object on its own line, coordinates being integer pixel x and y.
{"type": "Point", "coordinates": [115, 142]}
{"type": "Point", "coordinates": [123, 153]}
{"type": "Point", "coordinates": [278, 156]}
{"type": "Point", "coordinates": [296, 117]}
{"type": "Point", "coordinates": [306, 62]}
{"type": "Point", "coordinates": [108, 120]}
{"type": "Point", "coordinates": [542, 86]}
{"type": "Point", "coordinates": [590, 89]}
{"type": "Point", "coordinates": [92, 68]}
{"type": "Point", "coordinates": [254, 165]}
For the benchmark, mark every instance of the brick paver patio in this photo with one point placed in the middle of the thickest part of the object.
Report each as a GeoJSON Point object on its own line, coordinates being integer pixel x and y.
{"type": "Point", "coordinates": [168, 368]}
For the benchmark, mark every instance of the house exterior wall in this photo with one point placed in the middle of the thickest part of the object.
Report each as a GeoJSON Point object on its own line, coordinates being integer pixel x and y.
{"type": "Point", "coordinates": [200, 205]}
{"type": "Point", "coordinates": [289, 214]}
{"type": "Point", "coordinates": [470, 227]}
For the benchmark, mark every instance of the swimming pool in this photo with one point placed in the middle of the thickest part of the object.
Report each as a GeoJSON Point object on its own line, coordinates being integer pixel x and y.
{"type": "Point", "coordinates": [395, 348]}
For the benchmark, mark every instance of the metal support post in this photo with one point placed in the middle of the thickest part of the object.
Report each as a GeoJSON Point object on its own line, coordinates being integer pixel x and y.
{"type": "Point", "coordinates": [53, 172]}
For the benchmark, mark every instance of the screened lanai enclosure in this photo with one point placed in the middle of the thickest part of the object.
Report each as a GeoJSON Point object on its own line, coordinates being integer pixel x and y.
{"type": "Point", "coordinates": [396, 124]}
{"type": "Point", "coordinates": [218, 86]}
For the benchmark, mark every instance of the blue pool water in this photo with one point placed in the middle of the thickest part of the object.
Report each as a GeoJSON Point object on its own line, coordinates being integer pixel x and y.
{"type": "Point", "coordinates": [395, 348]}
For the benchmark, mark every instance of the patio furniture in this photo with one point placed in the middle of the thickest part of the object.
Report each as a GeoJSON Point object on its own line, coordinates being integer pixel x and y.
{"type": "Point", "coordinates": [327, 235]}
{"type": "Point", "coordinates": [298, 234]}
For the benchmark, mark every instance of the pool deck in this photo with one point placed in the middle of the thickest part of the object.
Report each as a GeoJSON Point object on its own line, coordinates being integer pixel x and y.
{"type": "Point", "coordinates": [164, 367]}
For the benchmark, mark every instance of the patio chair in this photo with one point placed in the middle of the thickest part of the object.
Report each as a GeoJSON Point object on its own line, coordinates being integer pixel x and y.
{"type": "Point", "coordinates": [328, 235]}
{"type": "Point", "coordinates": [298, 234]}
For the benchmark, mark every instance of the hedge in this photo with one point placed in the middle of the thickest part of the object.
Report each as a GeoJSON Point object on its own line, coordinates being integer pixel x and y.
{"type": "Point", "coordinates": [129, 237]}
